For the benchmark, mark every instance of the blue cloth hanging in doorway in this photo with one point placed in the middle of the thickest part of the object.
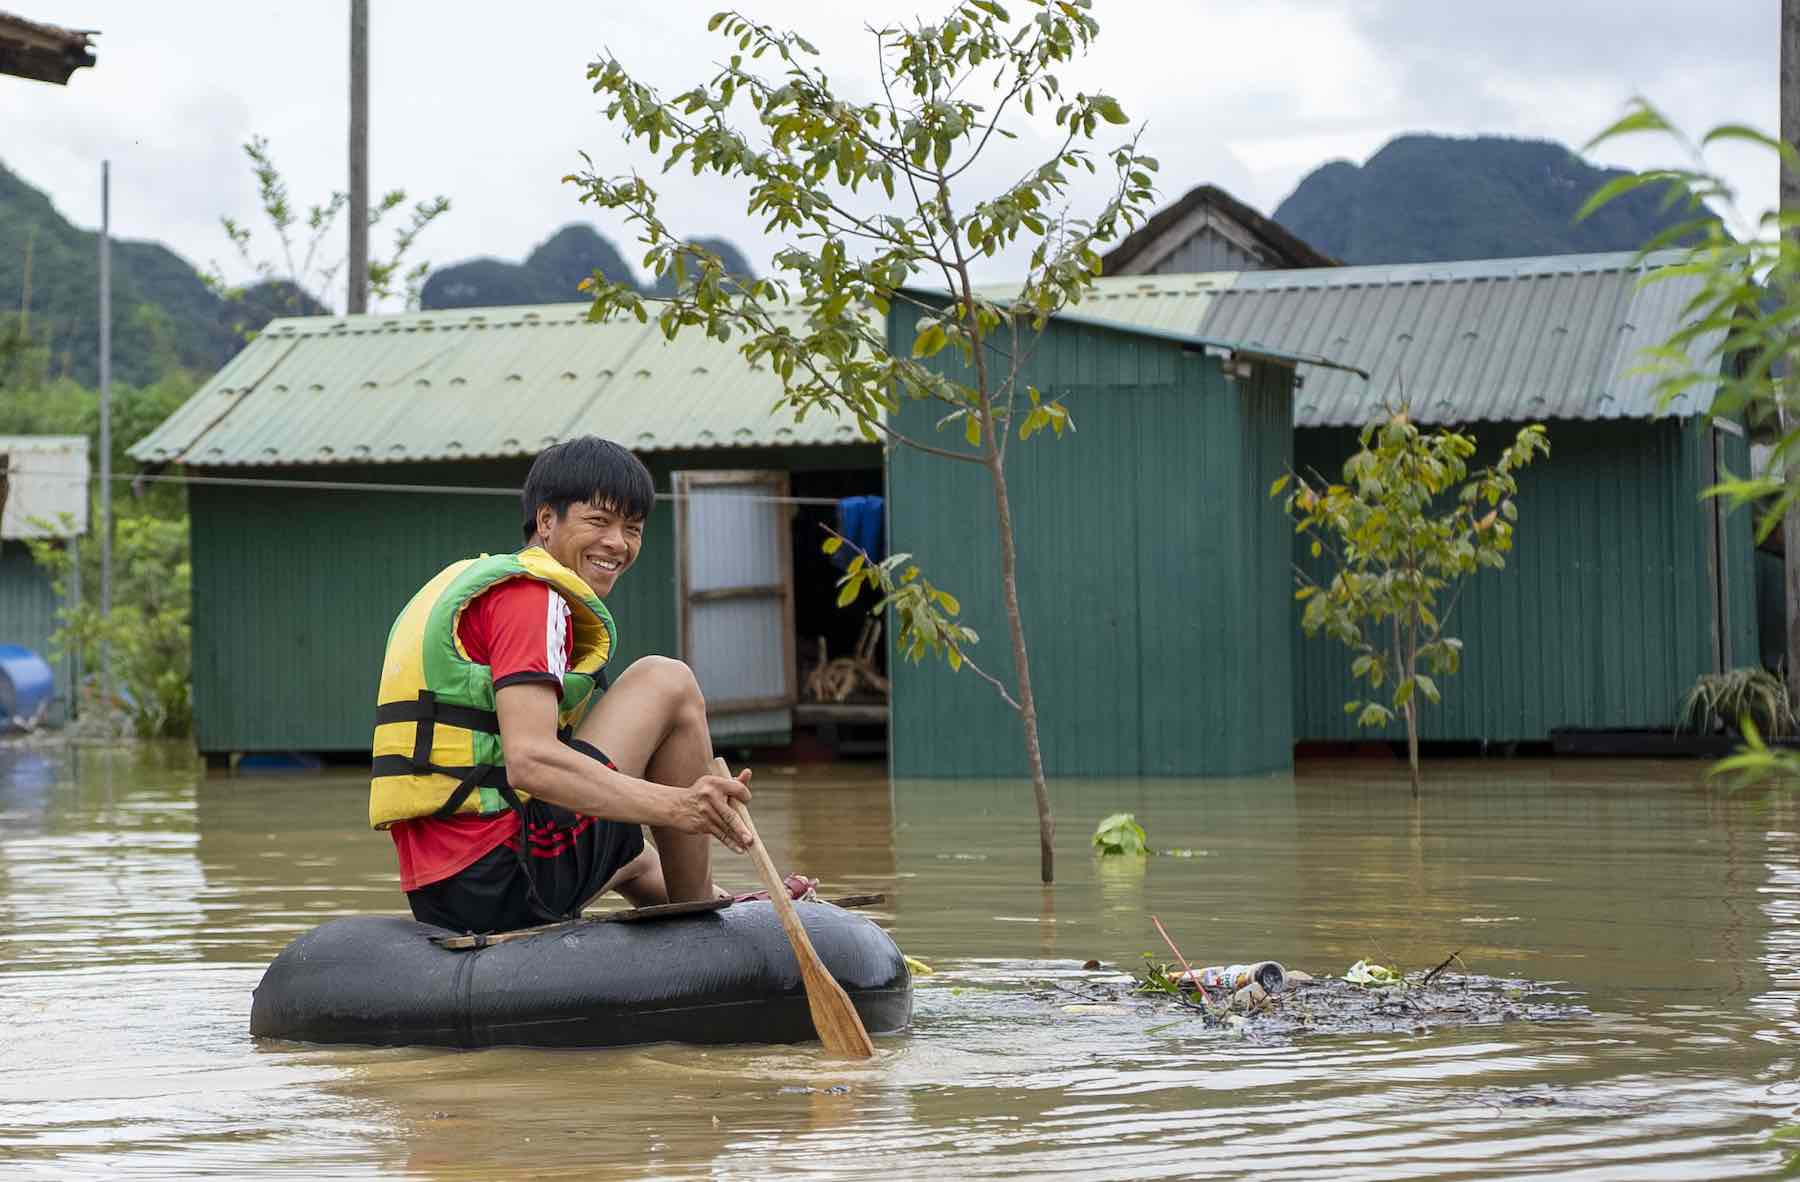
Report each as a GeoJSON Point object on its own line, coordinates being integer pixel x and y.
{"type": "Point", "coordinates": [860, 519]}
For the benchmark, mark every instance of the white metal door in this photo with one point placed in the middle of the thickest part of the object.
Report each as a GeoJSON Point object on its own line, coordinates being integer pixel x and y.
{"type": "Point", "coordinates": [735, 580]}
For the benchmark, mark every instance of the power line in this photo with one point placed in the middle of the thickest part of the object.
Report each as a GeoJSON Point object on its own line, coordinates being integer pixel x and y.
{"type": "Point", "coordinates": [375, 486]}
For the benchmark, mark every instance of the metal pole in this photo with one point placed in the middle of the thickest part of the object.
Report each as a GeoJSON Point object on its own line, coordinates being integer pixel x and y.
{"type": "Point", "coordinates": [71, 602]}
{"type": "Point", "coordinates": [106, 680]}
{"type": "Point", "coordinates": [1790, 201]}
{"type": "Point", "coordinates": [358, 296]}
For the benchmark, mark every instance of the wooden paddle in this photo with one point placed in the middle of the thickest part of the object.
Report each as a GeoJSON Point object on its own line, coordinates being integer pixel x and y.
{"type": "Point", "coordinates": [840, 1027]}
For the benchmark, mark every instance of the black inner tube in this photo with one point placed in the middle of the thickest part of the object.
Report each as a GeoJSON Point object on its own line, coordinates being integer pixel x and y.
{"type": "Point", "coordinates": [720, 977]}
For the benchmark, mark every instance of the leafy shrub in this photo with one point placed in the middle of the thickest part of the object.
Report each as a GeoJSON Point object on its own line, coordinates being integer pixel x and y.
{"type": "Point", "coordinates": [1736, 694]}
{"type": "Point", "coordinates": [1120, 836]}
{"type": "Point", "coordinates": [150, 628]}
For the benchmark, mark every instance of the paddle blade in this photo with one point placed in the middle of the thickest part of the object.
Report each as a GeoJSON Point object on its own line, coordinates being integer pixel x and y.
{"type": "Point", "coordinates": [840, 1027]}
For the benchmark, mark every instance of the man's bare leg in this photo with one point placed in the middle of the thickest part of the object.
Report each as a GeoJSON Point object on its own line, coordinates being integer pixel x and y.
{"type": "Point", "coordinates": [652, 724]}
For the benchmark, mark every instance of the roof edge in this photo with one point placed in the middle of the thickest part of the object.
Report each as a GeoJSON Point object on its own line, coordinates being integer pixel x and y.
{"type": "Point", "coordinates": [1187, 340]}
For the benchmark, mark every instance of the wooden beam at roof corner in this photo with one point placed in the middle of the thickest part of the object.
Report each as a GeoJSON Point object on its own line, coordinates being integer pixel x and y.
{"type": "Point", "coordinates": [41, 52]}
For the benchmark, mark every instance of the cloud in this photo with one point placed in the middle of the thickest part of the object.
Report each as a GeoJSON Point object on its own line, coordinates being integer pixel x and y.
{"type": "Point", "coordinates": [1247, 96]}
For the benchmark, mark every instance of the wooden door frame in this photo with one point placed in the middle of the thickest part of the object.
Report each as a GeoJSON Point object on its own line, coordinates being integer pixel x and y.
{"type": "Point", "coordinates": [684, 482]}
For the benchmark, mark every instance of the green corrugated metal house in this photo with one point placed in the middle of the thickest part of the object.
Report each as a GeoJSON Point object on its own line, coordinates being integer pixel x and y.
{"type": "Point", "coordinates": [366, 424]}
{"type": "Point", "coordinates": [1625, 585]}
{"type": "Point", "coordinates": [47, 497]}
{"type": "Point", "coordinates": [1151, 566]}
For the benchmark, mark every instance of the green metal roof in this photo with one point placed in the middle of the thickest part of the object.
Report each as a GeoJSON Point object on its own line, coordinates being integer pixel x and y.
{"type": "Point", "coordinates": [1495, 339]}
{"type": "Point", "coordinates": [1161, 310]}
{"type": "Point", "coordinates": [476, 383]}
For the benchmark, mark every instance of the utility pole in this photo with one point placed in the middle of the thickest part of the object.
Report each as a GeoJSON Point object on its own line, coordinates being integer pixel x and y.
{"type": "Point", "coordinates": [106, 679]}
{"type": "Point", "coordinates": [1789, 401]}
{"type": "Point", "coordinates": [357, 301]}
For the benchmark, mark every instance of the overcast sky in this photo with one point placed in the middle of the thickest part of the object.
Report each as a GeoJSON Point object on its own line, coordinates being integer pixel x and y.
{"type": "Point", "coordinates": [489, 104]}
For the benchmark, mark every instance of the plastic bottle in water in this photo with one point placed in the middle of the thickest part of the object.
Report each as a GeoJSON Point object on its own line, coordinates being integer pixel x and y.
{"type": "Point", "coordinates": [1230, 978]}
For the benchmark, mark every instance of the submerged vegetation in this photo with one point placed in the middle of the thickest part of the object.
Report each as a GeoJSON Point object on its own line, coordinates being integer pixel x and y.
{"type": "Point", "coordinates": [1120, 836]}
{"type": "Point", "coordinates": [1395, 556]}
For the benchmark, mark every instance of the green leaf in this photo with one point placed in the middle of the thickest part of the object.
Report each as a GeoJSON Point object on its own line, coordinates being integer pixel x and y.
{"type": "Point", "coordinates": [1120, 836]}
{"type": "Point", "coordinates": [1643, 118]}
{"type": "Point", "coordinates": [832, 544]}
{"type": "Point", "coordinates": [929, 341]}
{"type": "Point", "coordinates": [971, 428]}
{"type": "Point", "coordinates": [847, 595]}
{"type": "Point", "coordinates": [1612, 190]}
{"type": "Point", "coordinates": [1427, 687]}
{"type": "Point", "coordinates": [1281, 482]}
{"type": "Point", "coordinates": [1741, 133]}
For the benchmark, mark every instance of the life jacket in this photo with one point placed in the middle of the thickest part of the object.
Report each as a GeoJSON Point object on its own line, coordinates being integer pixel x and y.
{"type": "Point", "coordinates": [437, 739]}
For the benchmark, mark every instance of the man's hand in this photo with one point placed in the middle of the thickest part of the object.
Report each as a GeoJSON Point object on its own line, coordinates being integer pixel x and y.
{"type": "Point", "coordinates": [706, 808]}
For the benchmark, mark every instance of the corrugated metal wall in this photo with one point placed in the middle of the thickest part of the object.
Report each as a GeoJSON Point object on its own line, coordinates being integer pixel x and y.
{"type": "Point", "coordinates": [1151, 570]}
{"type": "Point", "coordinates": [1737, 535]}
{"type": "Point", "coordinates": [1207, 250]}
{"type": "Point", "coordinates": [27, 603]}
{"type": "Point", "coordinates": [1606, 611]}
{"type": "Point", "coordinates": [1771, 608]}
{"type": "Point", "coordinates": [294, 590]}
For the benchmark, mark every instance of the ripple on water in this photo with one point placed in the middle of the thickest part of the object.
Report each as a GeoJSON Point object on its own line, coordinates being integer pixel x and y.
{"type": "Point", "coordinates": [141, 902]}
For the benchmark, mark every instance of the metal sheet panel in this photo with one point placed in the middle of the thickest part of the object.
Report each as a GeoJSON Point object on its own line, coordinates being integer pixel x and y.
{"type": "Point", "coordinates": [1558, 337]}
{"type": "Point", "coordinates": [47, 493]}
{"type": "Point", "coordinates": [1134, 589]}
{"type": "Point", "coordinates": [27, 601]}
{"type": "Point", "coordinates": [1207, 250]}
{"type": "Point", "coordinates": [1497, 340]}
{"type": "Point", "coordinates": [475, 384]}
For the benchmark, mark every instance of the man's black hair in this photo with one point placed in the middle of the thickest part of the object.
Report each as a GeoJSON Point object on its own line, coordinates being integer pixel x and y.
{"type": "Point", "coordinates": [587, 470]}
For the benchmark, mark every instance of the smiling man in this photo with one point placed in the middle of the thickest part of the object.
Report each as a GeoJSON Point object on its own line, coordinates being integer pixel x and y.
{"type": "Point", "coordinates": [514, 781]}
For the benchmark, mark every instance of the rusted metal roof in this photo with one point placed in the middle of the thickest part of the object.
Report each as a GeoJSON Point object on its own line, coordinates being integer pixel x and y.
{"type": "Point", "coordinates": [473, 383]}
{"type": "Point", "coordinates": [45, 53]}
{"type": "Point", "coordinates": [1557, 337]}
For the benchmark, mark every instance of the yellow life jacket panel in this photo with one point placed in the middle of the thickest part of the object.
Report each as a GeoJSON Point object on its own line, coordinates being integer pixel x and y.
{"type": "Point", "coordinates": [437, 739]}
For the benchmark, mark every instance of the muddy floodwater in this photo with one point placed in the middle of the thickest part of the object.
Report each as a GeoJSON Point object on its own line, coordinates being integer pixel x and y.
{"type": "Point", "coordinates": [140, 900]}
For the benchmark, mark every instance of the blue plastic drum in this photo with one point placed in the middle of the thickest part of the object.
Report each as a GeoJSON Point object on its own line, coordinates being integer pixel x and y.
{"type": "Point", "coordinates": [26, 687]}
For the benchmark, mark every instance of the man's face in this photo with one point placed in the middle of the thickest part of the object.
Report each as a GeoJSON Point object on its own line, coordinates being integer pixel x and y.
{"type": "Point", "coordinates": [597, 542]}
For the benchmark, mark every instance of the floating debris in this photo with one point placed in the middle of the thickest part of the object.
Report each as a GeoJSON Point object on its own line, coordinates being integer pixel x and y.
{"type": "Point", "coordinates": [1305, 1005]}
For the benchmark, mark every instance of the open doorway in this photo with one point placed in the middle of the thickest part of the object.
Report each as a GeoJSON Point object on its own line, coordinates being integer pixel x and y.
{"type": "Point", "coordinates": [841, 651]}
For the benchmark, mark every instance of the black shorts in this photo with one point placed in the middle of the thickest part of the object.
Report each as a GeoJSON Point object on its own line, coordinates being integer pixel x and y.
{"type": "Point", "coordinates": [570, 858]}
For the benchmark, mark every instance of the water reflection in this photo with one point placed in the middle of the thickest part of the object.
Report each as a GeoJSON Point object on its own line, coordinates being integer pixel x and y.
{"type": "Point", "coordinates": [141, 899]}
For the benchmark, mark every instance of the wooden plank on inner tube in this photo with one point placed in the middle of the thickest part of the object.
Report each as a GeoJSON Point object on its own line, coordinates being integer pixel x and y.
{"type": "Point", "coordinates": [630, 915]}
{"type": "Point", "coordinates": [661, 911]}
